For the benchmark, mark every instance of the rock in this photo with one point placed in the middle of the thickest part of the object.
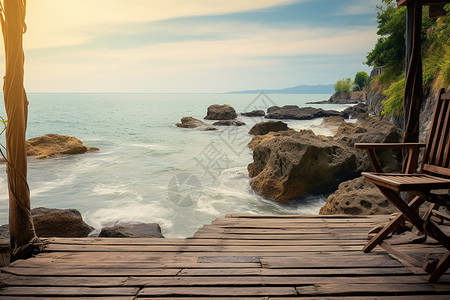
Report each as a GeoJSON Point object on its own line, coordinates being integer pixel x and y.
{"type": "Point", "coordinates": [334, 121]}
{"type": "Point", "coordinates": [301, 113]}
{"type": "Point", "coordinates": [290, 164]}
{"type": "Point", "coordinates": [221, 112]}
{"type": "Point", "coordinates": [348, 98]}
{"type": "Point", "coordinates": [262, 128]}
{"type": "Point", "coordinates": [52, 222]}
{"type": "Point", "coordinates": [358, 111]}
{"type": "Point", "coordinates": [132, 230]}
{"type": "Point", "coordinates": [254, 113]}
{"type": "Point", "coordinates": [52, 145]}
{"type": "Point", "coordinates": [375, 130]}
{"type": "Point", "coordinates": [190, 122]}
{"type": "Point", "coordinates": [229, 123]}
{"type": "Point", "coordinates": [4, 232]}
{"type": "Point", "coordinates": [357, 197]}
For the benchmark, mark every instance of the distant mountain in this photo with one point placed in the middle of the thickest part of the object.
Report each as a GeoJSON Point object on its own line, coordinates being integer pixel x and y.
{"type": "Point", "coordinates": [300, 89]}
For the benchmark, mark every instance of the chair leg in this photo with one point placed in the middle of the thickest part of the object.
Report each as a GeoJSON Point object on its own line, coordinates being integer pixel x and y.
{"type": "Point", "coordinates": [440, 269]}
{"type": "Point", "coordinates": [391, 226]}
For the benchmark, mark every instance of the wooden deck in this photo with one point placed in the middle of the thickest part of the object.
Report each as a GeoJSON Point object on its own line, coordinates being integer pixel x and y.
{"type": "Point", "coordinates": [239, 257]}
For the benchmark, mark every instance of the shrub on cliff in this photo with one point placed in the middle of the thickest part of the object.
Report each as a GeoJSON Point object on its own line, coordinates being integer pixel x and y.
{"type": "Point", "coordinates": [361, 80]}
{"type": "Point", "coordinates": [343, 85]}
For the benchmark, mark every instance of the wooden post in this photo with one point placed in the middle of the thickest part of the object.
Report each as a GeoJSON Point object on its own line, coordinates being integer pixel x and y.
{"type": "Point", "coordinates": [413, 68]}
{"type": "Point", "coordinates": [23, 236]}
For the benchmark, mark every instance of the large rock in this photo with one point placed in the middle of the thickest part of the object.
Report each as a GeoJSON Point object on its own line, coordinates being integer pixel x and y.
{"type": "Point", "coordinates": [52, 145]}
{"type": "Point", "coordinates": [358, 111]}
{"type": "Point", "coordinates": [262, 128]}
{"type": "Point", "coordinates": [52, 222]}
{"type": "Point", "coordinates": [301, 113]}
{"type": "Point", "coordinates": [254, 113]}
{"type": "Point", "coordinates": [221, 112]}
{"type": "Point", "coordinates": [190, 122]}
{"type": "Point", "coordinates": [357, 197]}
{"type": "Point", "coordinates": [229, 123]}
{"type": "Point", "coordinates": [348, 98]}
{"type": "Point", "coordinates": [290, 164]}
{"type": "Point", "coordinates": [132, 230]}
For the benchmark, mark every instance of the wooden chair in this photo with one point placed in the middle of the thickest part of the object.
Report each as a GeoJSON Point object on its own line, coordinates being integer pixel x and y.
{"type": "Point", "coordinates": [433, 174]}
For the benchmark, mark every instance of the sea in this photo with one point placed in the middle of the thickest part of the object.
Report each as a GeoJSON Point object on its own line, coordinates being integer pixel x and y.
{"type": "Point", "coordinates": [147, 169]}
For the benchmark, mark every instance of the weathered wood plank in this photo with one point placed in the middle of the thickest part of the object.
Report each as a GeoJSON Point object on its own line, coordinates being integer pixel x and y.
{"type": "Point", "coordinates": [329, 261]}
{"type": "Point", "coordinates": [189, 248]}
{"type": "Point", "coordinates": [295, 272]}
{"type": "Point", "coordinates": [67, 291]}
{"type": "Point", "coordinates": [218, 291]}
{"type": "Point", "coordinates": [51, 271]}
{"type": "Point", "coordinates": [14, 280]}
{"type": "Point", "coordinates": [371, 289]}
{"type": "Point", "coordinates": [292, 237]}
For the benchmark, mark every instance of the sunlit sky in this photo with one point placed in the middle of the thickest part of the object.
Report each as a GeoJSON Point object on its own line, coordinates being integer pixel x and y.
{"type": "Point", "coordinates": [165, 46]}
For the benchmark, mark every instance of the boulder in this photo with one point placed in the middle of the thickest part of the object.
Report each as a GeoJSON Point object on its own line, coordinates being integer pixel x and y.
{"type": "Point", "coordinates": [229, 123]}
{"type": "Point", "coordinates": [190, 122]}
{"type": "Point", "coordinates": [348, 98]}
{"type": "Point", "coordinates": [301, 113]}
{"type": "Point", "coordinates": [290, 164]}
{"type": "Point", "coordinates": [358, 111]}
{"type": "Point", "coordinates": [262, 128]}
{"type": "Point", "coordinates": [52, 145]}
{"type": "Point", "coordinates": [220, 112]}
{"type": "Point", "coordinates": [132, 230]}
{"type": "Point", "coordinates": [333, 121]}
{"type": "Point", "coordinates": [254, 113]}
{"type": "Point", "coordinates": [357, 197]}
{"type": "Point", "coordinates": [52, 222]}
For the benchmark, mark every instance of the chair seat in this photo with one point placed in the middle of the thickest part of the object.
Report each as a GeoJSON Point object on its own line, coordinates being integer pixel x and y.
{"type": "Point", "coordinates": [407, 182]}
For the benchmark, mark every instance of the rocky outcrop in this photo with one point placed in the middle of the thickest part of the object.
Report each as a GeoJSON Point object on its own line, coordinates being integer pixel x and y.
{"type": "Point", "coordinates": [220, 112]}
{"type": "Point", "coordinates": [262, 128]}
{"type": "Point", "coordinates": [348, 98]}
{"type": "Point", "coordinates": [254, 113]}
{"type": "Point", "coordinates": [52, 222]}
{"type": "Point", "coordinates": [53, 145]}
{"type": "Point", "coordinates": [190, 122]}
{"type": "Point", "coordinates": [290, 164]}
{"type": "Point", "coordinates": [229, 123]}
{"type": "Point", "coordinates": [357, 197]}
{"type": "Point", "coordinates": [358, 111]}
{"type": "Point", "coordinates": [132, 230]}
{"type": "Point", "coordinates": [333, 121]}
{"type": "Point", "coordinates": [301, 113]}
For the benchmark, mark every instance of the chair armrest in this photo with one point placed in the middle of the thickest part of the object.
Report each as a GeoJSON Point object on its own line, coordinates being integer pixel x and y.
{"type": "Point", "coordinates": [388, 145]}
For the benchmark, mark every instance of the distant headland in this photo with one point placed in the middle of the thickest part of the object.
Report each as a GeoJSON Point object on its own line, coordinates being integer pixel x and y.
{"type": "Point", "coordinates": [299, 89]}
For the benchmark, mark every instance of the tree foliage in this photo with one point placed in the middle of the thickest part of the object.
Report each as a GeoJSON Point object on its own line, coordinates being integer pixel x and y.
{"type": "Point", "coordinates": [343, 85]}
{"type": "Point", "coordinates": [361, 80]}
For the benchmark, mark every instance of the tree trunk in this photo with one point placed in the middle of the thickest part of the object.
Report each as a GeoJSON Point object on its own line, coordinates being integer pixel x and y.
{"type": "Point", "coordinates": [23, 236]}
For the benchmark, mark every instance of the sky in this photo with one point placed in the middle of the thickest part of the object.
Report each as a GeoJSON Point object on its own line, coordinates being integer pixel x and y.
{"type": "Point", "coordinates": [194, 46]}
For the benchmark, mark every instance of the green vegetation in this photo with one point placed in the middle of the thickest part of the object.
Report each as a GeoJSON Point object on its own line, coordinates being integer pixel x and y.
{"type": "Point", "coordinates": [361, 80]}
{"type": "Point", "coordinates": [343, 86]}
{"type": "Point", "coordinates": [389, 51]}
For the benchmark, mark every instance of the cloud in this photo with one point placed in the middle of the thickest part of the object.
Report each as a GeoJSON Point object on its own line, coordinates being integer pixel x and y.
{"type": "Point", "coordinates": [357, 7]}
{"type": "Point", "coordinates": [66, 22]}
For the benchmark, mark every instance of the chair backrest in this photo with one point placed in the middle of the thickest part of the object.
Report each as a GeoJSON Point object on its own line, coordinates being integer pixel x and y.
{"type": "Point", "coordinates": [436, 158]}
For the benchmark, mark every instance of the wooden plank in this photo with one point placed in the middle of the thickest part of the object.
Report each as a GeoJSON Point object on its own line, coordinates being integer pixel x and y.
{"type": "Point", "coordinates": [207, 281]}
{"type": "Point", "coordinates": [355, 237]}
{"type": "Point", "coordinates": [295, 272]}
{"type": "Point", "coordinates": [51, 271]}
{"type": "Point", "coordinates": [218, 291]}
{"type": "Point", "coordinates": [310, 221]}
{"type": "Point", "coordinates": [254, 216]}
{"type": "Point", "coordinates": [329, 261]}
{"type": "Point", "coordinates": [368, 297]}
{"type": "Point", "coordinates": [67, 291]}
{"type": "Point", "coordinates": [188, 248]}
{"type": "Point", "coordinates": [368, 289]}
{"type": "Point", "coordinates": [201, 242]}
{"type": "Point", "coordinates": [47, 297]}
